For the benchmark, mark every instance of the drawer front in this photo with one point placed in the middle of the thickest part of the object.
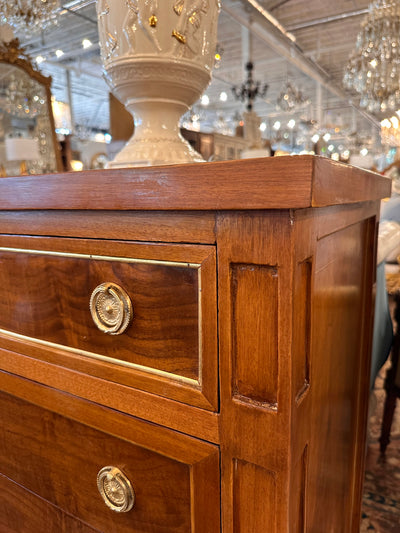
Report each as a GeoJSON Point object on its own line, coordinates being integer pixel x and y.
{"type": "Point", "coordinates": [24, 512]}
{"type": "Point", "coordinates": [65, 293]}
{"type": "Point", "coordinates": [175, 479]}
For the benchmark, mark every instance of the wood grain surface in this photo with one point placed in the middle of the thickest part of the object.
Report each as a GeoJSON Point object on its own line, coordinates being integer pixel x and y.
{"type": "Point", "coordinates": [313, 431]}
{"type": "Point", "coordinates": [340, 366]}
{"type": "Point", "coordinates": [253, 416]}
{"type": "Point", "coordinates": [164, 333]}
{"type": "Point", "coordinates": [172, 289]}
{"type": "Point", "coordinates": [21, 510]}
{"type": "Point", "coordinates": [65, 457]}
{"type": "Point", "coordinates": [181, 227]}
{"type": "Point", "coordinates": [265, 183]}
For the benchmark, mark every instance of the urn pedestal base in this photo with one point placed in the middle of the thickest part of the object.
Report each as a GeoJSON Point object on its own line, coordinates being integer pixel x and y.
{"type": "Point", "coordinates": [157, 139]}
{"type": "Point", "coordinates": [157, 91]}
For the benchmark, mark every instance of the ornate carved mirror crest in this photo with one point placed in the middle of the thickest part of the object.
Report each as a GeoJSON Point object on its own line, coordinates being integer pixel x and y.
{"type": "Point", "coordinates": [28, 143]}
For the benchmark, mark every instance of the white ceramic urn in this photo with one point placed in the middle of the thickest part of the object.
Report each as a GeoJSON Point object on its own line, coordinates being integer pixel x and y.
{"type": "Point", "coordinates": [157, 57]}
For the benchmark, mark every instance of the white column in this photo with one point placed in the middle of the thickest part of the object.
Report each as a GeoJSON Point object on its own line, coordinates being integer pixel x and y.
{"type": "Point", "coordinates": [69, 97]}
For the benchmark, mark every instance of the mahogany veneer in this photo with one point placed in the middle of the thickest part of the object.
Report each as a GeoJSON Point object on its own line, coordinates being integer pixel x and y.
{"type": "Point", "coordinates": [236, 400]}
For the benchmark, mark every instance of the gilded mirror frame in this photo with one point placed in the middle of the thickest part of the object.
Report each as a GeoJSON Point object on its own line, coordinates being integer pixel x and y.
{"type": "Point", "coordinates": [12, 53]}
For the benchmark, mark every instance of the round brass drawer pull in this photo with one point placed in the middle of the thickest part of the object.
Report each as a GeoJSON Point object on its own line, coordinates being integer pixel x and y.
{"type": "Point", "coordinates": [111, 308]}
{"type": "Point", "coordinates": [115, 489]}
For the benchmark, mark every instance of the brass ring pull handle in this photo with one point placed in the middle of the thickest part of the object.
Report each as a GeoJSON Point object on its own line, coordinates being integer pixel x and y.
{"type": "Point", "coordinates": [115, 489]}
{"type": "Point", "coordinates": [111, 308]}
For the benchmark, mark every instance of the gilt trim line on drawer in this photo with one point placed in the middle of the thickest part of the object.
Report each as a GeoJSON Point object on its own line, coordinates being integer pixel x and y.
{"type": "Point", "coordinates": [154, 371]}
{"type": "Point", "coordinates": [101, 257]}
{"type": "Point", "coordinates": [119, 362]}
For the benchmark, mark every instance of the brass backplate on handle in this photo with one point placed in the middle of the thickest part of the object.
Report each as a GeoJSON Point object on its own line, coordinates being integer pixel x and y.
{"type": "Point", "coordinates": [111, 308]}
{"type": "Point", "coordinates": [115, 489]}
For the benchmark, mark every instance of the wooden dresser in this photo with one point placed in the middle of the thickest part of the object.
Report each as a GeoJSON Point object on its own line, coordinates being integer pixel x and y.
{"type": "Point", "coordinates": [186, 348]}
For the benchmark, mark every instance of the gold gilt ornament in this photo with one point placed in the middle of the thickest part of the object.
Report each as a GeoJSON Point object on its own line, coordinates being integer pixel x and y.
{"type": "Point", "coordinates": [153, 21]}
{"type": "Point", "coordinates": [190, 13]}
{"type": "Point", "coordinates": [179, 37]}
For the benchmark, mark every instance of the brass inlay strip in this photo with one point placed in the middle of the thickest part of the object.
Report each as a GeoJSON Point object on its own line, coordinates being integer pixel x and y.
{"type": "Point", "coordinates": [135, 366]}
{"type": "Point", "coordinates": [101, 257]}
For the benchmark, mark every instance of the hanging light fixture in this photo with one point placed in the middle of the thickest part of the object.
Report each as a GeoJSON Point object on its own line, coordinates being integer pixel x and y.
{"type": "Point", "coordinates": [20, 94]}
{"type": "Point", "coordinates": [23, 97]}
{"type": "Point", "coordinates": [250, 89]}
{"type": "Point", "coordinates": [373, 70]}
{"type": "Point", "coordinates": [27, 16]}
{"type": "Point", "coordinates": [390, 131]}
{"type": "Point", "coordinates": [291, 98]}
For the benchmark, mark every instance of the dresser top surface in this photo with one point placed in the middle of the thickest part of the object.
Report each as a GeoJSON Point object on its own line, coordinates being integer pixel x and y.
{"type": "Point", "coordinates": [289, 182]}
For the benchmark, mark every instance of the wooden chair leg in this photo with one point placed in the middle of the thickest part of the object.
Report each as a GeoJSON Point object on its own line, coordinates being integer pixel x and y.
{"type": "Point", "coordinates": [392, 390]}
{"type": "Point", "coordinates": [388, 413]}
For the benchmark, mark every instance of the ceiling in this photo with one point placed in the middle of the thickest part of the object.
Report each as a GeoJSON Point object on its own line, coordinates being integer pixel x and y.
{"type": "Point", "coordinates": [307, 42]}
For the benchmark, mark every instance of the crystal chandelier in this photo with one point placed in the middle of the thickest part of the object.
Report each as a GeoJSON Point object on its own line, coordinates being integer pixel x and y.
{"type": "Point", "coordinates": [23, 97]}
{"type": "Point", "coordinates": [373, 70]}
{"type": "Point", "coordinates": [250, 89]}
{"type": "Point", "coordinates": [291, 98]}
{"type": "Point", "coordinates": [390, 131]}
{"type": "Point", "coordinates": [27, 16]}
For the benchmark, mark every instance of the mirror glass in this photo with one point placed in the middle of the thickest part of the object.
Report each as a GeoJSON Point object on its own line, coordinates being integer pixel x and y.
{"type": "Point", "coordinates": [28, 142]}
